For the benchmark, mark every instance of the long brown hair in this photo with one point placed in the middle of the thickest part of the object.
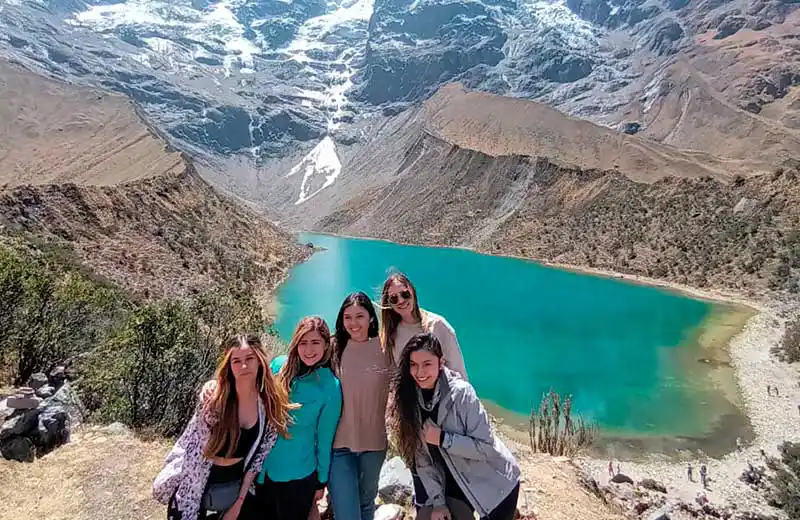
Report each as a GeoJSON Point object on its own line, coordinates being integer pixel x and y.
{"type": "Point", "coordinates": [405, 421]}
{"type": "Point", "coordinates": [390, 319]}
{"type": "Point", "coordinates": [341, 336]}
{"type": "Point", "coordinates": [225, 402]}
{"type": "Point", "coordinates": [294, 366]}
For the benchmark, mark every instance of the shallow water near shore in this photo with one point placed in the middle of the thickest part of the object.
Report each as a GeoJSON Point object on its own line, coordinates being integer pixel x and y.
{"type": "Point", "coordinates": [649, 365]}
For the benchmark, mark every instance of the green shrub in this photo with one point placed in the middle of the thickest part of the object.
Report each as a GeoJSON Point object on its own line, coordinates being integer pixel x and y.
{"type": "Point", "coordinates": [788, 349]}
{"type": "Point", "coordinates": [784, 489]}
{"type": "Point", "coordinates": [49, 314]}
{"type": "Point", "coordinates": [149, 373]}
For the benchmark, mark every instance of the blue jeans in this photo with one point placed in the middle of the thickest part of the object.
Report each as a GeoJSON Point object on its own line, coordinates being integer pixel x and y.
{"type": "Point", "coordinates": [353, 483]}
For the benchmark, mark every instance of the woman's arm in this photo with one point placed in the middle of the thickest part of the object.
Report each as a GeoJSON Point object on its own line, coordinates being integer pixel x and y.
{"type": "Point", "coordinates": [326, 431]}
{"type": "Point", "coordinates": [236, 508]}
{"type": "Point", "coordinates": [478, 429]}
{"type": "Point", "coordinates": [453, 358]}
{"type": "Point", "coordinates": [431, 477]}
{"type": "Point", "coordinates": [189, 446]}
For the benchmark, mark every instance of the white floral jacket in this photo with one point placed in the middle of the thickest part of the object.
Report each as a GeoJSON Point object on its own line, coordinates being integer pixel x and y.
{"type": "Point", "coordinates": [185, 472]}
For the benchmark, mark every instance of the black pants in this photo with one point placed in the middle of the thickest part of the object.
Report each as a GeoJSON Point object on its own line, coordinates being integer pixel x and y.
{"type": "Point", "coordinates": [459, 509]}
{"type": "Point", "coordinates": [286, 500]}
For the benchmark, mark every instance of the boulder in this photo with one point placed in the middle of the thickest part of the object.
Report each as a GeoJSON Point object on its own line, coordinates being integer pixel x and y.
{"type": "Point", "coordinates": [57, 377]}
{"type": "Point", "coordinates": [116, 428]}
{"type": "Point", "coordinates": [653, 485]}
{"type": "Point", "coordinates": [23, 403]}
{"type": "Point", "coordinates": [19, 423]}
{"type": "Point", "coordinates": [661, 514]}
{"type": "Point", "coordinates": [45, 391]}
{"type": "Point", "coordinates": [620, 478]}
{"type": "Point", "coordinates": [389, 512]}
{"type": "Point", "coordinates": [18, 448]}
{"type": "Point", "coordinates": [52, 430]}
{"type": "Point", "coordinates": [395, 483]}
{"type": "Point", "coordinates": [37, 380]}
{"type": "Point", "coordinates": [68, 400]}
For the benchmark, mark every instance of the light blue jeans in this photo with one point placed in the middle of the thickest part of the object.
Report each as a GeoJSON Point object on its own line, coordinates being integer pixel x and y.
{"type": "Point", "coordinates": [353, 483]}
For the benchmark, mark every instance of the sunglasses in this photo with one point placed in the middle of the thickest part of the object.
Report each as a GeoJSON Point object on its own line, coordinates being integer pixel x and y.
{"type": "Point", "coordinates": [406, 295]}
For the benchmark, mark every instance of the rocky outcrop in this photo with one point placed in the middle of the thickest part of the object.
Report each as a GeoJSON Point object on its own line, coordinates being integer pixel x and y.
{"type": "Point", "coordinates": [38, 423]}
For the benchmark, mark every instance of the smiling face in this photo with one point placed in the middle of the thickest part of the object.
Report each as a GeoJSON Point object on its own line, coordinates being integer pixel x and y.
{"type": "Point", "coordinates": [356, 323]}
{"type": "Point", "coordinates": [425, 368]}
{"type": "Point", "coordinates": [402, 300]}
{"type": "Point", "coordinates": [244, 363]}
{"type": "Point", "coordinates": [311, 348]}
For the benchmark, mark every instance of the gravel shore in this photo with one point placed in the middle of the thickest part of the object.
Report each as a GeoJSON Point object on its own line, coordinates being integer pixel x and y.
{"type": "Point", "coordinates": [774, 420]}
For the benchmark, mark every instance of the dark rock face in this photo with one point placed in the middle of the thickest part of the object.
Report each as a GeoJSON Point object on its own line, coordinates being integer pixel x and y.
{"type": "Point", "coordinates": [664, 37]}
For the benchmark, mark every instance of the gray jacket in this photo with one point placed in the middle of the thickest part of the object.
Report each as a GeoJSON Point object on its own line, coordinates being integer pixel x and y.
{"type": "Point", "coordinates": [484, 468]}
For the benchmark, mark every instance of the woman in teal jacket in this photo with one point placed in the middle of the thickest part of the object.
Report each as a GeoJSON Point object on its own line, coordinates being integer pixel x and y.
{"type": "Point", "coordinates": [294, 475]}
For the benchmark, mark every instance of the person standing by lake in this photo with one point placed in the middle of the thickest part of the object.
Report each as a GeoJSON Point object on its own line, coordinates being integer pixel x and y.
{"type": "Point", "coordinates": [294, 475]}
{"type": "Point", "coordinates": [209, 472]}
{"type": "Point", "coordinates": [443, 430]}
{"type": "Point", "coordinates": [402, 318]}
{"type": "Point", "coordinates": [359, 447]}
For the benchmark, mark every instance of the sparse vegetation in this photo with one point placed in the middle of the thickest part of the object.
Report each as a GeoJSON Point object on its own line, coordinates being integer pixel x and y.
{"type": "Point", "coordinates": [784, 484]}
{"type": "Point", "coordinates": [136, 361]}
{"type": "Point", "coordinates": [789, 348]}
{"type": "Point", "coordinates": [553, 429]}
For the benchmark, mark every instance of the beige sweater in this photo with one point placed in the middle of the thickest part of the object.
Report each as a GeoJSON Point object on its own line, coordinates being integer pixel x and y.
{"type": "Point", "coordinates": [439, 327]}
{"type": "Point", "coordinates": [364, 376]}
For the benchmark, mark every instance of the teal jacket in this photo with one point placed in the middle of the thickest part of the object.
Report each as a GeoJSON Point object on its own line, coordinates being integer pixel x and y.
{"type": "Point", "coordinates": [311, 430]}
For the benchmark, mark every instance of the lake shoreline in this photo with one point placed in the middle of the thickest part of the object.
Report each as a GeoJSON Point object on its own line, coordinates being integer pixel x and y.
{"type": "Point", "coordinates": [773, 419]}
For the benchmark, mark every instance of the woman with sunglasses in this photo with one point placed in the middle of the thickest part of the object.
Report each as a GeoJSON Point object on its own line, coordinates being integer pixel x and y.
{"type": "Point", "coordinates": [359, 448]}
{"type": "Point", "coordinates": [402, 318]}
{"type": "Point", "coordinates": [209, 472]}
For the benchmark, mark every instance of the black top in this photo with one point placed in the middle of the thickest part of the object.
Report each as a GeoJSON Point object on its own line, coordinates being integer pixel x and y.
{"type": "Point", "coordinates": [247, 437]}
{"type": "Point", "coordinates": [221, 474]}
{"type": "Point", "coordinates": [451, 487]}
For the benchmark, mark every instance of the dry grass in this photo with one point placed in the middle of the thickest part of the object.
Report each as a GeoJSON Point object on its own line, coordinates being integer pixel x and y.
{"type": "Point", "coordinates": [96, 476]}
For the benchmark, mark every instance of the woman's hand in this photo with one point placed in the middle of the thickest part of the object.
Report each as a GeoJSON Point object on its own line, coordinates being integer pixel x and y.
{"type": "Point", "coordinates": [207, 392]}
{"type": "Point", "coordinates": [439, 513]}
{"type": "Point", "coordinates": [432, 433]}
{"type": "Point", "coordinates": [233, 512]}
{"type": "Point", "coordinates": [319, 494]}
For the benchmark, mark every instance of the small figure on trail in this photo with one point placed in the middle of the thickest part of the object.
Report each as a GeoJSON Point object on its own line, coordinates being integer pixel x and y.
{"type": "Point", "coordinates": [690, 472]}
{"type": "Point", "coordinates": [610, 467]}
{"type": "Point", "coordinates": [738, 443]}
{"type": "Point", "coordinates": [618, 470]}
{"type": "Point", "coordinates": [704, 475]}
{"type": "Point", "coordinates": [769, 390]}
{"type": "Point", "coordinates": [777, 393]}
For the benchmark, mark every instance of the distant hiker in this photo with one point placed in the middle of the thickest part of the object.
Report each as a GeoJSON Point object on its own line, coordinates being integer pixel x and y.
{"type": "Point", "coordinates": [690, 472]}
{"type": "Point", "coordinates": [295, 473]}
{"type": "Point", "coordinates": [738, 443]}
{"type": "Point", "coordinates": [205, 476]}
{"type": "Point", "coordinates": [442, 429]}
{"type": "Point", "coordinates": [777, 393]}
{"type": "Point", "coordinates": [360, 445]}
{"type": "Point", "coordinates": [402, 317]}
{"type": "Point", "coordinates": [618, 470]}
{"type": "Point", "coordinates": [704, 475]}
{"type": "Point", "coordinates": [611, 467]}
{"type": "Point", "coordinates": [763, 453]}
{"type": "Point", "coordinates": [769, 390]}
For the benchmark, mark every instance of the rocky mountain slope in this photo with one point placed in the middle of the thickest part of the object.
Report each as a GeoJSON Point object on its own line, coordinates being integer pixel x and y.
{"type": "Point", "coordinates": [275, 84]}
{"type": "Point", "coordinates": [447, 183]}
{"type": "Point", "coordinates": [80, 169]}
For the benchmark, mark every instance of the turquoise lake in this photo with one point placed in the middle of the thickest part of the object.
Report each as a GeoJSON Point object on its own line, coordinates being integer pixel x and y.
{"type": "Point", "coordinates": [628, 353]}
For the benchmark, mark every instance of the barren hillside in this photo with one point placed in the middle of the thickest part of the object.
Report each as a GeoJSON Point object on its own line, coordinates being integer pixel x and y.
{"type": "Point", "coordinates": [464, 173]}
{"type": "Point", "coordinates": [83, 169]}
{"type": "Point", "coordinates": [497, 126]}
